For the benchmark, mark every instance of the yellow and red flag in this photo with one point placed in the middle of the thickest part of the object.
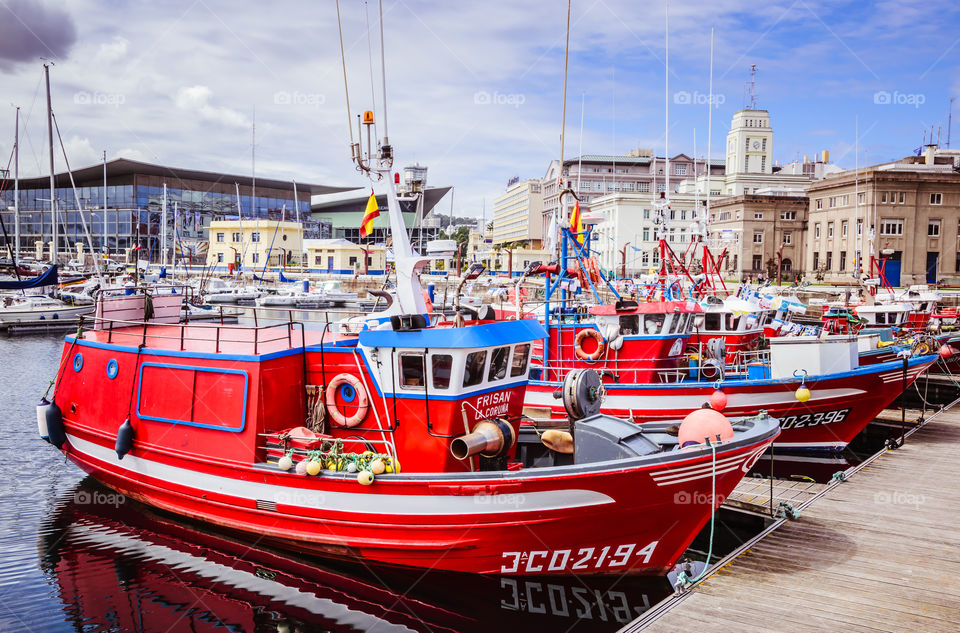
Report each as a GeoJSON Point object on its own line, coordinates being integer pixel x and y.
{"type": "Point", "coordinates": [371, 213]}
{"type": "Point", "coordinates": [576, 223]}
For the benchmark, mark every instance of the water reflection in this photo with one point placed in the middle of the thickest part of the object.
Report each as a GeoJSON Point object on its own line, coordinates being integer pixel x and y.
{"type": "Point", "coordinates": [119, 565]}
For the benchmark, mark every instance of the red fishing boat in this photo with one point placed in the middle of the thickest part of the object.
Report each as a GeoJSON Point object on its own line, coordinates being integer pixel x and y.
{"type": "Point", "coordinates": [401, 443]}
{"type": "Point", "coordinates": [816, 386]}
{"type": "Point", "coordinates": [118, 565]}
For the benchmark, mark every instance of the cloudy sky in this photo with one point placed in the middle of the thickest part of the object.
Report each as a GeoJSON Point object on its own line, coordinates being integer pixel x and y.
{"type": "Point", "coordinates": [473, 88]}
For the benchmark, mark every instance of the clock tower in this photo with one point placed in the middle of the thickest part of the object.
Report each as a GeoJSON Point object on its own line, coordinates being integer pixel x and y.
{"type": "Point", "coordinates": [750, 143]}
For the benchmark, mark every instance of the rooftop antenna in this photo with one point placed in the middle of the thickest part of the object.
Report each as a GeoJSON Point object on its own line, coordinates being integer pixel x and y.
{"type": "Point", "coordinates": [950, 120]}
{"type": "Point", "coordinates": [753, 87]}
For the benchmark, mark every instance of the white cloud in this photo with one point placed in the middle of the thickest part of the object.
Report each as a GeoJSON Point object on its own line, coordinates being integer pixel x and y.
{"type": "Point", "coordinates": [114, 50]}
{"type": "Point", "coordinates": [197, 99]}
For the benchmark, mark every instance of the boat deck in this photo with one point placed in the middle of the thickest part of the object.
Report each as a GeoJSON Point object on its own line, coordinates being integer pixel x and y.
{"type": "Point", "coordinates": [215, 339]}
{"type": "Point", "coordinates": [875, 553]}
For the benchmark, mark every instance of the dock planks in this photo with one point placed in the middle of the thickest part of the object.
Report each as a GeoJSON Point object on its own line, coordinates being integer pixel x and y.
{"type": "Point", "coordinates": [876, 553]}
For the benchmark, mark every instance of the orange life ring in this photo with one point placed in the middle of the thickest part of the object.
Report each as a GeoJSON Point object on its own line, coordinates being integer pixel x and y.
{"type": "Point", "coordinates": [360, 395]}
{"type": "Point", "coordinates": [578, 344]}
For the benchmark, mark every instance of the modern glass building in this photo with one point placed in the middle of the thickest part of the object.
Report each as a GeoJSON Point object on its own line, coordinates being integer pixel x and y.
{"type": "Point", "coordinates": [129, 212]}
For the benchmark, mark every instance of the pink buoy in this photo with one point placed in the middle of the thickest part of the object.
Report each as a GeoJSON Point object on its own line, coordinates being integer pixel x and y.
{"type": "Point", "coordinates": [718, 400]}
{"type": "Point", "coordinates": [702, 424]}
{"type": "Point", "coordinates": [301, 468]}
{"type": "Point", "coordinates": [946, 351]}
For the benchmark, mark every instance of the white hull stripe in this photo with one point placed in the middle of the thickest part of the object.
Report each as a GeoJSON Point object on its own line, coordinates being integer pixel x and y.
{"type": "Point", "coordinates": [374, 504]}
{"type": "Point", "coordinates": [706, 475]}
{"type": "Point", "coordinates": [649, 399]}
{"type": "Point", "coordinates": [689, 470]}
{"type": "Point", "coordinates": [141, 549]}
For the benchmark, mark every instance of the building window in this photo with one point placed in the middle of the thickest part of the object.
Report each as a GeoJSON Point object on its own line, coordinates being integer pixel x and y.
{"type": "Point", "coordinates": [757, 262]}
{"type": "Point", "coordinates": [763, 163]}
{"type": "Point", "coordinates": [843, 261]}
{"type": "Point", "coordinates": [661, 187]}
{"type": "Point", "coordinates": [843, 228]}
{"type": "Point", "coordinates": [680, 169]}
{"type": "Point", "coordinates": [646, 214]}
{"type": "Point", "coordinates": [788, 238]}
{"type": "Point", "coordinates": [758, 215]}
{"type": "Point", "coordinates": [883, 198]}
{"type": "Point", "coordinates": [255, 237]}
{"type": "Point", "coordinates": [832, 201]}
{"type": "Point", "coordinates": [829, 230]}
{"type": "Point", "coordinates": [220, 258]}
{"type": "Point", "coordinates": [763, 145]}
{"type": "Point", "coordinates": [221, 237]}
{"type": "Point", "coordinates": [829, 260]}
{"type": "Point", "coordinates": [859, 227]}
{"type": "Point", "coordinates": [936, 198]}
{"type": "Point", "coordinates": [318, 260]}
{"type": "Point", "coordinates": [788, 215]}
{"type": "Point", "coordinates": [819, 203]}
{"type": "Point", "coordinates": [903, 197]}
{"type": "Point", "coordinates": [816, 230]}
{"type": "Point", "coordinates": [933, 228]}
{"type": "Point", "coordinates": [891, 227]}
{"type": "Point", "coordinates": [816, 261]}
{"type": "Point", "coordinates": [236, 237]}
{"type": "Point", "coordinates": [646, 235]}
{"type": "Point", "coordinates": [255, 258]}
{"type": "Point", "coordinates": [352, 262]}
{"type": "Point", "coordinates": [861, 197]}
{"type": "Point", "coordinates": [758, 237]}
{"type": "Point", "coordinates": [643, 187]}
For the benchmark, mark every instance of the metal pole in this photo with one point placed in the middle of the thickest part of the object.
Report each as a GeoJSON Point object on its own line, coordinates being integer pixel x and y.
{"type": "Point", "coordinates": [103, 246]}
{"type": "Point", "coordinates": [53, 197]}
{"type": "Point", "coordinates": [163, 228]}
{"type": "Point", "coordinates": [16, 190]}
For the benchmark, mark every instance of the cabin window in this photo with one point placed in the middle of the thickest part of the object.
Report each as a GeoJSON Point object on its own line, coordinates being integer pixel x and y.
{"type": "Point", "coordinates": [411, 371]}
{"type": "Point", "coordinates": [652, 323]}
{"type": "Point", "coordinates": [498, 363]}
{"type": "Point", "coordinates": [629, 324]}
{"type": "Point", "coordinates": [473, 372]}
{"type": "Point", "coordinates": [881, 318]}
{"type": "Point", "coordinates": [442, 364]}
{"type": "Point", "coordinates": [733, 322]}
{"type": "Point", "coordinates": [520, 355]}
{"type": "Point", "coordinates": [711, 321]}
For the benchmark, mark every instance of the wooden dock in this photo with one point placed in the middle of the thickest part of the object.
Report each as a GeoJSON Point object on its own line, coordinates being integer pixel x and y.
{"type": "Point", "coordinates": [878, 552]}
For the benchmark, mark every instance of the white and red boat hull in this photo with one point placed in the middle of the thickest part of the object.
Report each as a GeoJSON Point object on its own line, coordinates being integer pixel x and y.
{"type": "Point", "coordinates": [840, 406]}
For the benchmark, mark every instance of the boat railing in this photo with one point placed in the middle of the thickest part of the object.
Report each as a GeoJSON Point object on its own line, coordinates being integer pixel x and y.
{"type": "Point", "coordinates": [254, 337]}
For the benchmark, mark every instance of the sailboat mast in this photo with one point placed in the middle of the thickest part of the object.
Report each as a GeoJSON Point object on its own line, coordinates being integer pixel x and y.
{"type": "Point", "coordinates": [103, 245]}
{"type": "Point", "coordinates": [163, 228]}
{"type": "Point", "coordinates": [709, 137]}
{"type": "Point", "coordinates": [666, 103]}
{"type": "Point", "coordinates": [53, 197]}
{"type": "Point", "coordinates": [16, 188]}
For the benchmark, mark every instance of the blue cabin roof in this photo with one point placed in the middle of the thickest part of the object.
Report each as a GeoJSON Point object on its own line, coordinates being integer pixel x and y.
{"type": "Point", "coordinates": [484, 335]}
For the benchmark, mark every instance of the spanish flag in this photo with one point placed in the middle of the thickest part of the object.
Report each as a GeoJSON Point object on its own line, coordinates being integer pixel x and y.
{"type": "Point", "coordinates": [576, 225]}
{"type": "Point", "coordinates": [371, 213]}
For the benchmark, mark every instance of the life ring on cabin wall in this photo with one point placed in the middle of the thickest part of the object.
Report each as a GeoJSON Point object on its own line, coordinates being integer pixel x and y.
{"type": "Point", "coordinates": [581, 337]}
{"type": "Point", "coordinates": [352, 391]}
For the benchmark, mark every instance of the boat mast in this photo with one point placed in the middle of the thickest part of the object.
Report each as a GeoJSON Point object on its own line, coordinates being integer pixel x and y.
{"type": "Point", "coordinates": [103, 246]}
{"type": "Point", "coordinates": [16, 189]}
{"type": "Point", "coordinates": [53, 197]}
{"type": "Point", "coordinates": [296, 203]}
{"type": "Point", "coordinates": [163, 227]}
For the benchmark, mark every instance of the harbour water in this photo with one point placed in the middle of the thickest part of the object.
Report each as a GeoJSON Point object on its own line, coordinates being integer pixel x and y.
{"type": "Point", "coordinates": [75, 556]}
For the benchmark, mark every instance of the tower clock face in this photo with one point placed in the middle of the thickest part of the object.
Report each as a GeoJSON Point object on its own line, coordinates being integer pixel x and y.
{"type": "Point", "coordinates": [756, 145]}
